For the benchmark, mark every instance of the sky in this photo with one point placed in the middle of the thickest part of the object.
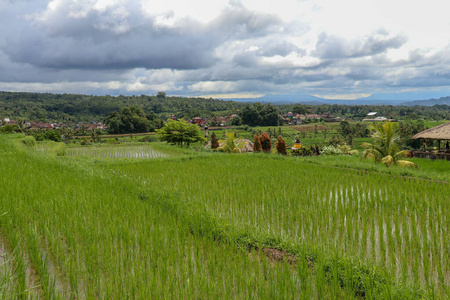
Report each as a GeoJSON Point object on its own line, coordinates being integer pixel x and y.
{"type": "Point", "coordinates": [343, 49]}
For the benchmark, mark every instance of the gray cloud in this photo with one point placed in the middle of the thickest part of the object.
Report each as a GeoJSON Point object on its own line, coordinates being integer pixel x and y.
{"type": "Point", "coordinates": [62, 42]}
{"type": "Point", "coordinates": [334, 47]}
{"type": "Point", "coordinates": [122, 50]}
{"type": "Point", "coordinates": [123, 38]}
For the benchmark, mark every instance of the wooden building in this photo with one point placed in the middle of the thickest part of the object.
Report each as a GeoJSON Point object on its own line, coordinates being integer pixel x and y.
{"type": "Point", "coordinates": [439, 133]}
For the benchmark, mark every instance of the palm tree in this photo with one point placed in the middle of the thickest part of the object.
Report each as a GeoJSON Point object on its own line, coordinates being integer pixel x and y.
{"type": "Point", "coordinates": [231, 145]}
{"type": "Point", "coordinates": [385, 148]}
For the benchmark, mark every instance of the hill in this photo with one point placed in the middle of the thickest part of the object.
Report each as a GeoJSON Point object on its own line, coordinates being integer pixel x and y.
{"type": "Point", "coordinates": [430, 102]}
{"type": "Point", "coordinates": [73, 108]}
{"type": "Point", "coordinates": [408, 99]}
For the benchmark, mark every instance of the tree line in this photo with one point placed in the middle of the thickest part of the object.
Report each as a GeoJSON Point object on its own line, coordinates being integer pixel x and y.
{"type": "Point", "coordinates": [76, 108]}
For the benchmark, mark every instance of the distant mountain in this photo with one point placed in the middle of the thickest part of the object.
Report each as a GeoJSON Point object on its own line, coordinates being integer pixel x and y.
{"type": "Point", "coordinates": [430, 102]}
{"type": "Point", "coordinates": [284, 99]}
{"type": "Point", "coordinates": [313, 100]}
{"type": "Point", "coordinates": [376, 99]}
{"type": "Point", "coordinates": [404, 96]}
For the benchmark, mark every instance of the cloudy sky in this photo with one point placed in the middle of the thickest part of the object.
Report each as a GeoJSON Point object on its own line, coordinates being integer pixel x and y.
{"type": "Point", "coordinates": [226, 48]}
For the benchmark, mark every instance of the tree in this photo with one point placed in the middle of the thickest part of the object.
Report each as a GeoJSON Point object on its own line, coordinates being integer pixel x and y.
{"type": "Point", "coordinates": [250, 115]}
{"type": "Point", "coordinates": [131, 120]}
{"type": "Point", "coordinates": [52, 135]}
{"type": "Point", "coordinates": [299, 109]}
{"type": "Point", "coordinates": [269, 116]}
{"type": "Point", "coordinates": [236, 121]}
{"type": "Point", "coordinates": [95, 135]}
{"type": "Point", "coordinates": [231, 145]}
{"type": "Point", "coordinates": [161, 95]}
{"type": "Point", "coordinates": [67, 133]}
{"type": "Point", "coordinates": [179, 132]}
{"type": "Point", "coordinates": [385, 149]}
{"type": "Point", "coordinates": [281, 145]}
{"type": "Point", "coordinates": [345, 128]}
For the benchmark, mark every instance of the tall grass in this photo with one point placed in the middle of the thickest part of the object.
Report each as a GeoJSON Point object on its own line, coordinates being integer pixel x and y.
{"type": "Point", "coordinates": [89, 234]}
{"type": "Point", "coordinates": [395, 223]}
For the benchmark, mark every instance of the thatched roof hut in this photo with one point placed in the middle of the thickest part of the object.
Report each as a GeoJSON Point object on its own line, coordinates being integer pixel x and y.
{"type": "Point", "coordinates": [438, 133]}
{"type": "Point", "coordinates": [441, 132]}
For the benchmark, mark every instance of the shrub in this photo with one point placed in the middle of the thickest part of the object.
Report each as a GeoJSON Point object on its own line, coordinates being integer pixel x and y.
{"type": "Point", "coordinates": [336, 140]}
{"type": "Point", "coordinates": [281, 145]}
{"type": "Point", "coordinates": [305, 151]}
{"type": "Point", "coordinates": [214, 141]}
{"type": "Point", "coordinates": [149, 138]}
{"type": "Point", "coordinates": [331, 150]}
{"type": "Point", "coordinates": [52, 135]}
{"type": "Point", "coordinates": [266, 142]}
{"type": "Point", "coordinates": [257, 144]}
{"type": "Point", "coordinates": [8, 128]}
{"type": "Point", "coordinates": [29, 141]}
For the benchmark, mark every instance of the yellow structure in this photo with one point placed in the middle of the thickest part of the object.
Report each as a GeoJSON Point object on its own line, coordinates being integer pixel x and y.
{"type": "Point", "coordinates": [297, 146]}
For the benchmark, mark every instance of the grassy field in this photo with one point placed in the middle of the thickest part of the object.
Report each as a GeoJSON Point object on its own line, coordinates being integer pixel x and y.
{"type": "Point", "coordinates": [193, 224]}
{"type": "Point", "coordinates": [398, 224]}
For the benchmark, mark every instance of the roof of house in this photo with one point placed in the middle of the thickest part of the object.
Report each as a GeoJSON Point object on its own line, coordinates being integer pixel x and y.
{"type": "Point", "coordinates": [441, 132]}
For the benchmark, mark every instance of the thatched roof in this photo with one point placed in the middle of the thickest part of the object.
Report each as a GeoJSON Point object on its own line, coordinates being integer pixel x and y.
{"type": "Point", "coordinates": [441, 132]}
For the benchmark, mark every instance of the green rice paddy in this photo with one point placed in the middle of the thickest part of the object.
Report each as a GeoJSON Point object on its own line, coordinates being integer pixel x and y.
{"type": "Point", "coordinates": [90, 224]}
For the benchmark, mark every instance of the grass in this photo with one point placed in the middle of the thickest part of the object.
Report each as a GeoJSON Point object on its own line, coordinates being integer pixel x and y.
{"type": "Point", "coordinates": [105, 239]}
{"type": "Point", "coordinates": [196, 224]}
{"type": "Point", "coordinates": [320, 207]}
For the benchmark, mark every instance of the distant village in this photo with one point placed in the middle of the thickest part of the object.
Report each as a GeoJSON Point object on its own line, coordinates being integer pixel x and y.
{"type": "Point", "coordinates": [288, 119]}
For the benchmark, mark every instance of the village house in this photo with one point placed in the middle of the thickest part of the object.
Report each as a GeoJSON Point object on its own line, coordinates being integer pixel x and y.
{"type": "Point", "coordinates": [33, 125]}
{"type": "Point", "coordinates": [95, 125]}
{"type": "Point", "coordinates": [197, 120]}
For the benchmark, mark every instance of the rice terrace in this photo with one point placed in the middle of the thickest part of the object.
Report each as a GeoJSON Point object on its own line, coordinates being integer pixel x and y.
{"type": "Point", "coordinates": [148, 220]}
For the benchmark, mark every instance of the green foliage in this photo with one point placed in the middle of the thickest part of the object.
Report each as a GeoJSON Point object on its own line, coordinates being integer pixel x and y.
{"type": "Point", "coordinates": [236, 121]}
{"type": "Point", "coordinates": [406, 130]}
{"type": "Point", "coordinates": [304, 151]}
{"type": "Point", "coordinates": [95, 135]}
{"type": "Point", "coordinates": [331, 150]}
{"type": "Point", "coordinates": [43, 135]}
{"type": "Point", "coordinates": [8, 128]}
{"type": "Point", "coordinates": [345, 128]}
{"type": "Point", "coordinates": [359, 112]}
{"type": "Point", "coordinates": [281, 146]}
{"type": "Point", "coordinates": [335, 141]}
{"type": "Point", "coordinates": [385, 149]}
{"type": "Point", "coordinates": [73, 108]}
{"type": "Point", "coordinates": [258, 114]}
{"type": "Point", "coordinates": [179, 132]}
{"type": "Point", "coordinates": [131, 120]}
{"type": "Point", "coordinates": [28, 141]}
{"type": "Point", "coordinates": [149, 138]}
{"type": "Point", "coordinates": [299, 109]}
{"type": "Point", "coordinates": [52, 135]}
{"type": "Point", "coordinates": [266, 142]}
{"type": "Point", "coordinates": [230, 144]}
{"type": "Point", "coordinates": [161, 95]}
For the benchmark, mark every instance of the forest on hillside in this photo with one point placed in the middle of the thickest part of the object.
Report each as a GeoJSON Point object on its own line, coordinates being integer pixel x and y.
{"type": "Point", "coordinates": [75, 108]}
